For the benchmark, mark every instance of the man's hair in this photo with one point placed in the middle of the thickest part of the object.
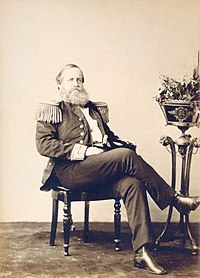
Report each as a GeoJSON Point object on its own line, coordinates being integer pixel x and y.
{"type": "Point", "coordinates": [59, 77]}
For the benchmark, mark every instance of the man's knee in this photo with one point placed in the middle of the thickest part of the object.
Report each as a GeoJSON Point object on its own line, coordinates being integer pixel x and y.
{"type": "Point", "coordinates": [124, 155]}
{"type": "Point", "coordinates": [124, 152]}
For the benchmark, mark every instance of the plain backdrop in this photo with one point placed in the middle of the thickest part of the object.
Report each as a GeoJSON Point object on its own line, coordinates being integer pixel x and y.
{"type": "Point", "coordinates": [122, 46]}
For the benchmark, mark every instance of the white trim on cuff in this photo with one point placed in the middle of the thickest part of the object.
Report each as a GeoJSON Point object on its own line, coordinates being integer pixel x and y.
{"type": "Point", "coordinates": [78, 152]}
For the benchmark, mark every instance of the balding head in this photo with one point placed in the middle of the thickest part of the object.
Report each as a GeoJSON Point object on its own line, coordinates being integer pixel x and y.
{"type": "Point", "coordinates": [59, 77]}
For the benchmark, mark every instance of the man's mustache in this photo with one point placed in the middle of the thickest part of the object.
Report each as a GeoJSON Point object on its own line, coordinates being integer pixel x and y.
{"type": "Point", "coordinates": [76, 89]}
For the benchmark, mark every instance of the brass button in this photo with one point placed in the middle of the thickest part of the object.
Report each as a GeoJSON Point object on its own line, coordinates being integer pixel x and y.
{"type": "Point", "coordinates": [82, 133]}
{"type": "Point", "coordinates": [81, 142]}
{"type": "Point", "coordinates": [81, 126]}
{"type": "Point", "coordinates": [80, 119]}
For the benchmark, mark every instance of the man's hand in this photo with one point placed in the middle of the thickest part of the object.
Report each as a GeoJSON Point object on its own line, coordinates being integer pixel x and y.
{"type": "Point", "coordinates": [93, 150]}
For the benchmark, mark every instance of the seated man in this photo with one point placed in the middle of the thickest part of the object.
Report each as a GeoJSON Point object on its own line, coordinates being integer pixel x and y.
{"type": "Point", "coordinates": [85, 153]}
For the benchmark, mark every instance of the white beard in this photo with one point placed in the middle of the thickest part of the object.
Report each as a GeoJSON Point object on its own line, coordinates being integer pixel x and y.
{"type": "Point", "coordinates": [76, 96]}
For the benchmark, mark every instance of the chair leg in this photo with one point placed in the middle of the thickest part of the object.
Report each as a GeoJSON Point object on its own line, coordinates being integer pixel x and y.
{"type": "Point", "coordinates": [54, 222]}
{"type": "Point", "coordinates": [86, 222]}
{"type": "Point", "coordinates": [117, 223]}
{"type": "Point", "coordinates": [67, 219]}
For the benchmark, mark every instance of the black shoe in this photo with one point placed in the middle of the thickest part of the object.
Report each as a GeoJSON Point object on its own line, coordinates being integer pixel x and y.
{"type": "Point", "coordinates": [144, 260]}
{"type": "Point", "coordinates": [186, 204]}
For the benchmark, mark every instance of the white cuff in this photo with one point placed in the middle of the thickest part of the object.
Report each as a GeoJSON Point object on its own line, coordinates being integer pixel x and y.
{"type": "Point", "coordinates": [78, 152]}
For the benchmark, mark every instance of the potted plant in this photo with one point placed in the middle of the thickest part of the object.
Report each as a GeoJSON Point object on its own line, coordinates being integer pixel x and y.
{"type": "Point", "coordinates": [180, 101]}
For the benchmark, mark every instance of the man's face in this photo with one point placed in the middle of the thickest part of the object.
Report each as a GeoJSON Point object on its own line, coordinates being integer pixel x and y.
{"type": "Point", "coordinates": [72, 89]}
{"type": "Point", "coordinates": [72, 80]}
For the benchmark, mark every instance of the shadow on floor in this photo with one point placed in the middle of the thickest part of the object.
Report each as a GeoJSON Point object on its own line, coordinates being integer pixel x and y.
{"type": "Point", "coordinates": [25, 252]}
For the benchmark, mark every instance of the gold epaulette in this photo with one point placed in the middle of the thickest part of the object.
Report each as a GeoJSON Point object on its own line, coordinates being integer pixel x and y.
{"type": "Point", "coordinates": [103, 109]}
{"type": "Point", "coordinates": [49, 112]}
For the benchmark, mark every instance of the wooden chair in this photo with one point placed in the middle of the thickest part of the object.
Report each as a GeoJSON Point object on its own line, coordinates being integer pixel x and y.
{"type": "Point", "coordinates": [67, 196]}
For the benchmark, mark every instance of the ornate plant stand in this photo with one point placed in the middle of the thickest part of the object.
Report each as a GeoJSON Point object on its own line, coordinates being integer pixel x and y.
{"type": "Point", "coordinates": [185, 147]}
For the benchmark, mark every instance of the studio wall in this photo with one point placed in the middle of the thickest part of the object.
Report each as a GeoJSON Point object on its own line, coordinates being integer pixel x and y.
{"type": "Point", "coordinates": [122, 46]}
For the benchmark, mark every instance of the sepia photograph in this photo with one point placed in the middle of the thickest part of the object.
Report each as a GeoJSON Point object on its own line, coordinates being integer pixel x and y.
{"type": "Point", "coordinates": [100, 138]}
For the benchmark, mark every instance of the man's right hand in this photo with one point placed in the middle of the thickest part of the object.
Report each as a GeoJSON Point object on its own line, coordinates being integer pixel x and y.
{"type": "Point", "coordinates": [93, 150]}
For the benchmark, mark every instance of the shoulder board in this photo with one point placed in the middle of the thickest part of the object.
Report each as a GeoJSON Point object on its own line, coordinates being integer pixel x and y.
{"type": "Point", "coordinates": [103, 109]}
{"type": "Point", "coordinates": [49, 112]}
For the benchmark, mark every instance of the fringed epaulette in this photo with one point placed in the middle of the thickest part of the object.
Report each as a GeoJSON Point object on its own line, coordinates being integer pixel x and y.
{"type": "Point", "coordinates": [49, 112]}
{"type": "Point", "coordinates": [103, 109]}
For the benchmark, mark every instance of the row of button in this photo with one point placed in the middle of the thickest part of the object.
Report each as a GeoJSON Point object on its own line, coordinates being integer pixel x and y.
{"type": "Point", "coordinates": [82, 133]}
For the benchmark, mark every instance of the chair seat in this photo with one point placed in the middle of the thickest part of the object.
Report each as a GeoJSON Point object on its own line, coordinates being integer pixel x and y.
{"type": "Point", "coordinates": [104, 193]}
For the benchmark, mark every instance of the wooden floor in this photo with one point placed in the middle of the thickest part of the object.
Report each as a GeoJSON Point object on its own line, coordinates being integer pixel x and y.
{"type": "Point", "coordinates": [25, 252]}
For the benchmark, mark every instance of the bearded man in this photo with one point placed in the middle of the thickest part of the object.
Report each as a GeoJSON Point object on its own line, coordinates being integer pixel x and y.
{"type": "Point", "coordinates": [85, 153]}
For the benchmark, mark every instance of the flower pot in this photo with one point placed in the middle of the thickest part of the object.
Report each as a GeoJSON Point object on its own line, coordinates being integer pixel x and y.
{"type": "Point", "coordinates": [181, 113]}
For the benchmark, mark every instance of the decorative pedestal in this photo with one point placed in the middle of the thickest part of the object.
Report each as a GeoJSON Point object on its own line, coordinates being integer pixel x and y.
{"type": "Point", "coordinates": [180, 104]}
{"type": "Point", "coordinates": [183, 146]}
